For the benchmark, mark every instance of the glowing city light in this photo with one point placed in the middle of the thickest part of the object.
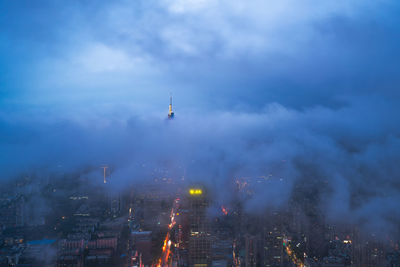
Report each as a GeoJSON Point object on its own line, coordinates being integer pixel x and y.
{"type": "Point", "coordinates": [224, 210]}
{"type": "Point", "coordinates": [194, 191]}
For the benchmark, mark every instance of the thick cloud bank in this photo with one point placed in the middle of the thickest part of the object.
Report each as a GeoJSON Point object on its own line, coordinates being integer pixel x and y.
{"type": "Point", "coordinates": [302, 93]}
{"type": "Point", "coordinates": [350, 153]}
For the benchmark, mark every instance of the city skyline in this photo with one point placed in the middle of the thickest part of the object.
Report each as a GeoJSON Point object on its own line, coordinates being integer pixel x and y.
{"type": "Point", "coordinates": [281, 109]}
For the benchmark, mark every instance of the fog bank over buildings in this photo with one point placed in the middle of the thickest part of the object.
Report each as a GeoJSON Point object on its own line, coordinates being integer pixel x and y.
{"type": "Point", "coordinates": [349, 168]}
{"type": "Point", "coordinates": [286, 114]}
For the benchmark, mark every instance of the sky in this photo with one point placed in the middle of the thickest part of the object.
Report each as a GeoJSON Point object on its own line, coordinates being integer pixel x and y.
{"type": "Point", "coordinates": [306, 90]}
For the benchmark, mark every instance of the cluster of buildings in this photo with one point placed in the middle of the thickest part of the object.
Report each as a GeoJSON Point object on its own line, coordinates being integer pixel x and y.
{"type": "Point", "coordinates": [90, 243]}
{"type": "Point", "coordinates": [202, 233]}
{"type": "Point", "coordinates": [56, 223]}
{"type": "Point", "coordinates": [166, 222]}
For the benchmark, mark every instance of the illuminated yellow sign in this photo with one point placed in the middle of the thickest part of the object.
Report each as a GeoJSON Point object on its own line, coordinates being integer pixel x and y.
{"type": "Point", "coordinates": [193, 191]}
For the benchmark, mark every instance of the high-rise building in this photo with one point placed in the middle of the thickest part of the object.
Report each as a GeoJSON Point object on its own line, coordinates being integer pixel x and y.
{"type": "Point", "coordinates": [199, 229]}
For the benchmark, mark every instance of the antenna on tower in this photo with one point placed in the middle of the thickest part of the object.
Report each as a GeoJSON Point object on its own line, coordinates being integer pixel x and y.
{"type": "Point", "coordinates": [104, 172]}
{"type": "Point", "coordinates": [170, 112]}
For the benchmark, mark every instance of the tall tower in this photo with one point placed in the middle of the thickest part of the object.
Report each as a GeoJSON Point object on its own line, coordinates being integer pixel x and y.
{"type": "Point", "coordinates": [104, 172]}
{"type": "Point", "coordinates": [199, 229]}
{"type": "Point", "coordinates": [170, 112]}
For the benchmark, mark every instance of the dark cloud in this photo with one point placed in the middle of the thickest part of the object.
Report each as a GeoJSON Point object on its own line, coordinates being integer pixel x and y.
{"type": "Point", "coordinates": [305, 92]}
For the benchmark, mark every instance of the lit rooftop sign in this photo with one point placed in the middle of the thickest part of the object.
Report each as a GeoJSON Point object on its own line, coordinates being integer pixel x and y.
{"type": "Point", "coordinates": [195, 191]}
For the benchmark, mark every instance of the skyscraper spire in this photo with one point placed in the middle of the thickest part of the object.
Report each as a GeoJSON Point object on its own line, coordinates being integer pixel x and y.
{"type": "Point", "coordinates": [170, 112]}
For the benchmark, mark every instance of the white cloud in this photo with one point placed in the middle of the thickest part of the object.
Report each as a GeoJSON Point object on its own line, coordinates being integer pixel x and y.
{"type": "Point", "coordinates": [101, 58]}
{"type": "Point", "coordinates": [232, 28]}
{"type": "Point", "coordinates": [184, 6]}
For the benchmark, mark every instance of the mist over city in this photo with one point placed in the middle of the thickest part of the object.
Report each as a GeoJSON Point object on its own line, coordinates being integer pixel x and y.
{"type": "Point", "coordinates": [200, 133]}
